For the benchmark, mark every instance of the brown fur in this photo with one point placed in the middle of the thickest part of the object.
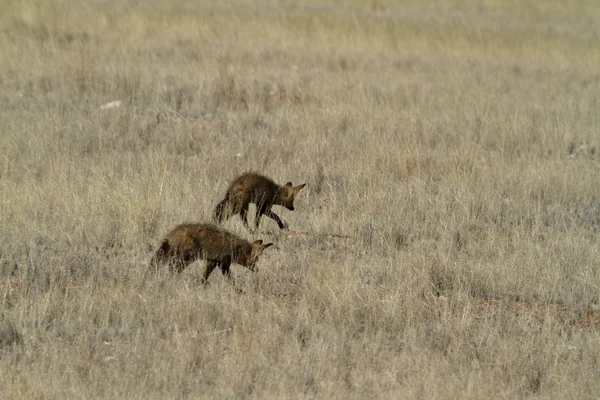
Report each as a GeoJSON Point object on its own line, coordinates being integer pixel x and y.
{"type": "Point", "coordinates": [260, 190]}
{"type": "Point", "coordinates": [187, 243]}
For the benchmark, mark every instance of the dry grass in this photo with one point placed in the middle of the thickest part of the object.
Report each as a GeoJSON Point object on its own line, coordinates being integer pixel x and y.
{"type": "Point", "coordinates": [447, 242]}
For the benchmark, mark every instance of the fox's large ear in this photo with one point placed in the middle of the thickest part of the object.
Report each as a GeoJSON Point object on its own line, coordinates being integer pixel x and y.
{"type": "Point", "coordinates": [289, 184]}
{"type": "Point", "coordinates": [300, 187]}
{"type": "Point", "coordinates": [258, 247]}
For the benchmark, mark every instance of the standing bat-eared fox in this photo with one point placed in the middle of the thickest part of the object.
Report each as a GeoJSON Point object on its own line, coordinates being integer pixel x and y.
{"type": "Point", "coordinates": [260, 190]}
{"type": "Point", "coordinates": [187, 243]}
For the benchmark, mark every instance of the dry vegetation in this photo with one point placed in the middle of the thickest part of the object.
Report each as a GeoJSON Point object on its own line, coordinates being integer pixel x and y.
{"type": "Point", "coordinates": [447, 241]}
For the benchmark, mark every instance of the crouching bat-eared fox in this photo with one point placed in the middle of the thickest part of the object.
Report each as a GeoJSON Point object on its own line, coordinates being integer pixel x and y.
{"type": "Point", "coordinates": [187, 243]}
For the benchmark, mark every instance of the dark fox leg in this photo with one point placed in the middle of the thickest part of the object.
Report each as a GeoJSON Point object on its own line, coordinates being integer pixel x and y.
{"type": "Point", "coordinates": [259, 212]}
{"type": "Point", "coordinates": [221, 213]}
{"type": "Point", "coordinates": [210, 266]}
{"type": "Point", "coordinates": [155, 261]}
{"type": "Point", "coordinates": [181, 260]}
{"type": "Point", "coordinates": [225, 264]}
{"type": "Point", "coordinates": [160, 255]}
{"type": "Point", "coordinates": [176, 265]}
{"type": "Point", "coordinates": [269, 213]}
{"type": "Point", "coordinates": [244, 214]}
{"type": "Point", "coordinates": [227, 273]}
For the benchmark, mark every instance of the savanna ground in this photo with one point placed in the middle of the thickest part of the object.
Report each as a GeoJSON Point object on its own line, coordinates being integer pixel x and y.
{"type": "Point", "coordinates": [451, 145]}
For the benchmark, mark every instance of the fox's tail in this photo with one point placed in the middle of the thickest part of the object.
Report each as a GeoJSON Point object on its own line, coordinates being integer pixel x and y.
{"type": "Point", "coordinates": [159, 255]}
{"type": "Point", "coordinates": [220, 213]}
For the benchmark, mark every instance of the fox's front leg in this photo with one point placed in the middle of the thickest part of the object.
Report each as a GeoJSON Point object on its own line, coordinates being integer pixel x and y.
{"type": "Point", "coordinates": [225, 264]}
{"type": "Point", "coordinates": [269, 213]}
{"type": "Point", "coordinates": [227, 274]}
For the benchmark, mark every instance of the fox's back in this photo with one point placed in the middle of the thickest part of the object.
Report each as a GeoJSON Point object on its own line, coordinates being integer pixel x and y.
{"type": "Point", "coordinates": [257, 187]}
{"type": "Point", "coordinates": [211, 241]}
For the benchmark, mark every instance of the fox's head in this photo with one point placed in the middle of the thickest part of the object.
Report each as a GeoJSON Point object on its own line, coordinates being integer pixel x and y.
{"type": "Point", "coordinates": [257, 249]}
{"type": "Point", "coordinates": [287, 193]}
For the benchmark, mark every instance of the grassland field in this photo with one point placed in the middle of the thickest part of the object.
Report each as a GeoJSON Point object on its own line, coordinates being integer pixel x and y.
{"type": "Point", "coordinates": [446, 245]}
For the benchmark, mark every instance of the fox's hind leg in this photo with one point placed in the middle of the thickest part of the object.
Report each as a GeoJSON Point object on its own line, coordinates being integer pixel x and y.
{"type": "Point", "coordinates": [222, 211]}
{"type": "Point", "coordinates": [244, 214]}
{"type": "Point", "coordinates": [161, 255]}
{"type": "Point", "coordinates": [176, 265]}
{"type": "Point", "coordinates": [181, 259]}
{"type": "Point", "coordinates": [210, 266]}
